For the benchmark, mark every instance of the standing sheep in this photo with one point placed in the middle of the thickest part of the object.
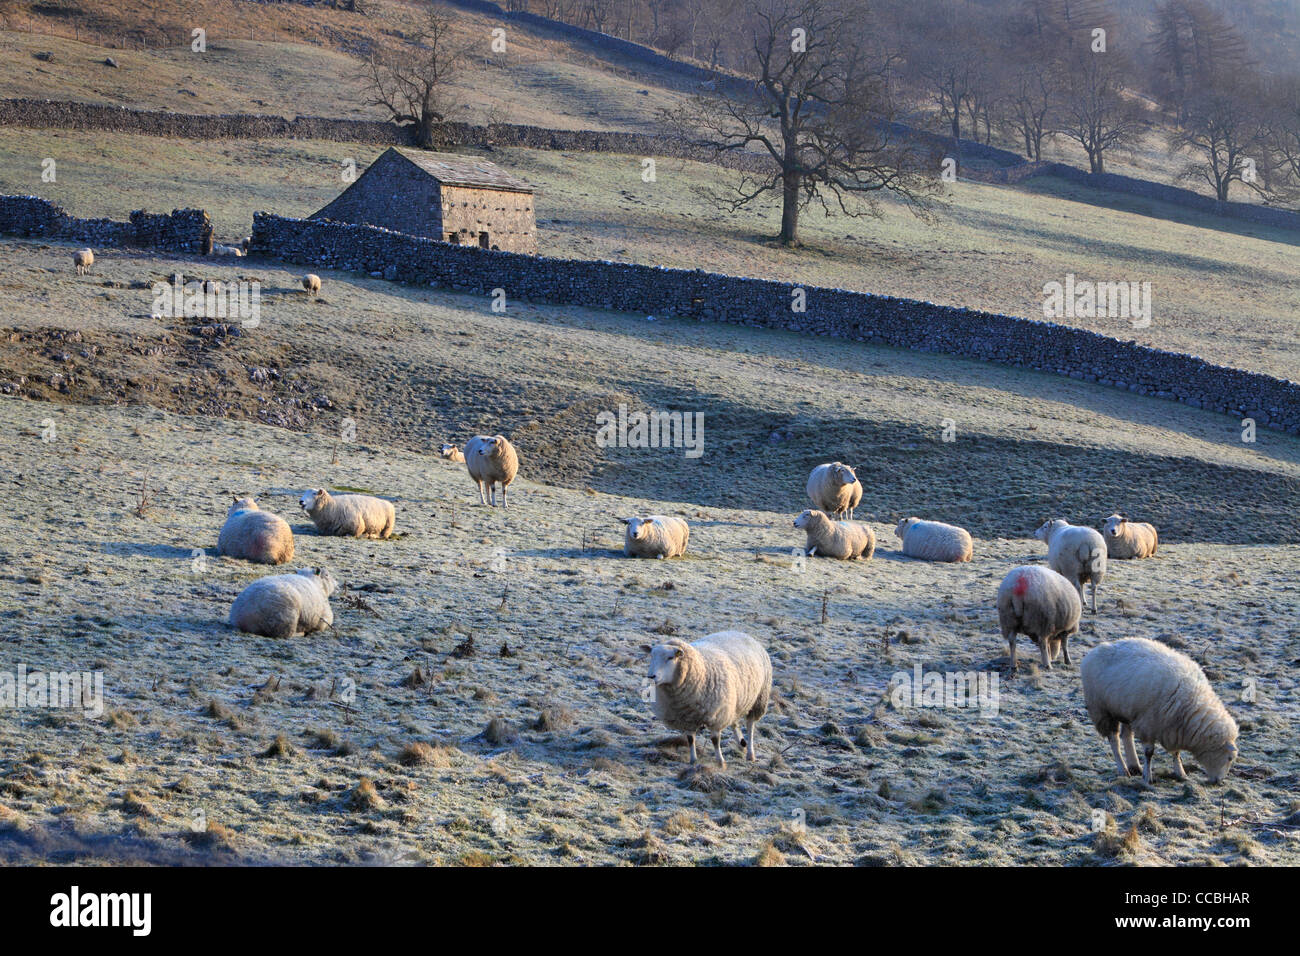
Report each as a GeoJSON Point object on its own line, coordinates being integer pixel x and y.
{"type": "Point", "coordinates": [1142, 687]}
{"type": "Point", "coordinates": [1129, 539]}
{"type": "Point", "coordinates": [283, 605]}
{"type": "Point", "coordinates": [655, 536]}
{"type": "Point", "coordinates": [711, 685]}
{"type": "Point", "coordinates": [452, 453]}
{"type": "Point", "coordinates": [835, 489]}
{"type": "Point", "coordinates": [934, 540]}
{"type": "Point", "coordinates": [845, 540]}
{"type": "Point", "coordinates": [311, 282]}
{"type": "Point", "coordinates": [491, 461]}
{"type": "Point", "coordinates": [1042, 605]}
{"type": "Point", "coordinates": [349, 516]}
{"type": "Point", "coordinates": [83, 259]}
{"type": "Point", "coordinates": [1075, 552]}
{"type": "Point", "coordinates": [255, 535]}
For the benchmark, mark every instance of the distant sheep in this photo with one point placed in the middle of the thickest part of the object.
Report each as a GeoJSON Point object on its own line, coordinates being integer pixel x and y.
{"type": "Point", "coordinates": [491, 462]}
{"type": "Point", "coordinates": [452, 453]}
{"type": "Point", "coordinates": [934, 540]}
{"type": "Point", "coordinates": [1142, 687]}
{"type": "Point", "coordinates": [83, 259]}
{"type": "Point", "coordinates": [1129, 539]}
{"type": "Point", "coordinates": [255, 535]}
{"type": "Point", "coordinates": [711, 685]}
{"type": "Point", "coordinates": [283, 605]}
{"type": "Point", "coordinates": [228, 251]}
{"type": "Point", "coordinates": [655, 536]}
{"type": "Point", "coordinates": [246, 244]}
{"type": "Point", "coordinates": [311, 282]}
{"type": "Point", "coordinates": [349, 516]}
{"type": "Point", "coordinates": [1042, 605]}
{"type": "Point", "coordinates": [845, 540]}
{"type": "Point", "coordinates": [1077, 553]}
{"type": "Point", "coordinates": [835, 489]}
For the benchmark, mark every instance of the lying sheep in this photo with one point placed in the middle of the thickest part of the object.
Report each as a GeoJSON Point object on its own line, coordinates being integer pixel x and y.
{"type": "Point", "coordinates": [255, 535]}
{"type": "Point", "coordinates": [228, 251]}
{"type": "Point", "coordinates": [1129, 539]}
{"type": "Point", "coordinates": [283, 605]}
{"type": "Point", "coordinates": [934, 540]}
{"type": "Point", "coordinates": [655, 536]}
{"type": "Point", "coordinates": [1077, 553]}
{"type": "Point", "coordinates": [835, 489]}
{"type": "Point", "coordinates": [711, 685]}
{"type": "Point", "coordinates": [491, 461]}
{"type": "Point", "coordinates": [452, 453]}
{"type": "Point", "coordinates": [311, 282]}
{"type": "Point", "coordinates": [83, 259]}
{"type": "Point", "coordinates": [349, 516]}
{"type": "Point", "coordinates": [1142, 687]}
{"type": "Point", "coordinates": [1042, 605]}
{"type": "Point", "coordinates": [246, 244]}
{"type": "Point", "coordinates": [845, 540]}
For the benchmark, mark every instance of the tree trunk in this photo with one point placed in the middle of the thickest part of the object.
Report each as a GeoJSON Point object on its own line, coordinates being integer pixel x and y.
{"type": "Point", "coordinates": [424, 132]}
{"type": "Point", "coordinates": [789, 210]}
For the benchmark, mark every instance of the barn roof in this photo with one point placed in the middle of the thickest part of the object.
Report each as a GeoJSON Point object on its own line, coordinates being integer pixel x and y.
{"type": "Point", "coordinates": [452, 169]}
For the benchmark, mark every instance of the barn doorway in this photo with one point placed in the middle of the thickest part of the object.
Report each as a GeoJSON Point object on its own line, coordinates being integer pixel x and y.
{"type": "Point", "coordinates": [483, 241]}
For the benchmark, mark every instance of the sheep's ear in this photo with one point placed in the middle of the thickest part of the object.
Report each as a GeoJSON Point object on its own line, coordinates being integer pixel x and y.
{"type": "Point", "coordinates": [647, 648]}
{"type": "Point", "coordinates": [625, 520]}
{"type": "Point", "coordinates": [318, 571]}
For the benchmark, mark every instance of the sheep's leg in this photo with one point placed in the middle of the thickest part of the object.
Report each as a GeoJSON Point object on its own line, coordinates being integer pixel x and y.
{"type": "Point", "coordinates": [1045, 652]}
{"type": "Point", "coordinates": [482, 493]}
{"type": "Point", "coordinates": [1114, 749]}
{"type": "Point", "coordinates": [1065, 647]}
{"type": "Point", "coordinates": [1083, 598]}
{"type": "Point", "coordinates": [740, 734]}
{"type": "Point", "coordinates": [1011, 644]}
{"type": "Point", "coordinates": [717, 748]}
{"type": "Point", "coordinates": [1179, 772]}
{"type": "Point", "coordinates": [751, 751]}
{"type": "Point", "coordinates": [1093, 586]}
{"type": "Point", "coordinates": [504, 503]}
{"type": "Point", "coordinates": [690, 739]}
{"type": "Point", "coordinates": [1148, 752]}
{"type": "Point", "coordinates": [1134, 767]}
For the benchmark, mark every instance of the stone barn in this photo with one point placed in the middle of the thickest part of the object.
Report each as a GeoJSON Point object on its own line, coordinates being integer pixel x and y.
{"type": "Point", "coordinates": [462, 199]}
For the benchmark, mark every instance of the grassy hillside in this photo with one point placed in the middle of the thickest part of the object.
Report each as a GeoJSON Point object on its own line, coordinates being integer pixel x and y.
{"type": "Point", "coordinates": [1219, 288]}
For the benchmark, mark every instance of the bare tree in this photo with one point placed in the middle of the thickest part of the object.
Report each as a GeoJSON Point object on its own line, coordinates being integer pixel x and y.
{"type": "Point", "coordinates": [1226, 128]}
{"type": "Point", "coordinates": [1095, 110]}
{"type": "Point", "coordinates": [819, 113]}
{"type": "Point", "coordinates": [410, 82]}
{"type": "Point", "coordinates": [1283, 104]}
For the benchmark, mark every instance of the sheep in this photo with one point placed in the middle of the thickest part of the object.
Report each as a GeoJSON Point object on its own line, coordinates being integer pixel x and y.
{"type": "Point", "coordinates": [1136, 686]}
{"type": "Point", "coordinates": [835, 489]}
{"type": "Point", "coordinates": [349, 516]}
{"type": "Point", "coordinates": [311, 282]}
{"type": "Point", "coordinates": [282, 605]}
{"type": "Point", "coordinates": [655, 536]}
{"type": "Point", "coordinates": [246, 244]}
{"type": "Point", "coordinates": [255, 535]}
{"type": "Point", "coordinates": [452, 453]}
{"type": "Point", "coordinates": [1129, 539]}
{"type": "Point", "coordinates": [83, 259]}
{"type": "Point", "coordinates": [710, 685]}
{"type": "Point", "coordinates": [934, 540]}
{"type": "Point", "coordinates": [1042, 605]}
{"type": "Point", "coordinates": [845, 540]}
{"type": "Point", "coordinates": [228, 251]}
{"type": "Point", "coordinates": [491, 461]}
{"type": "Point", "coordinates": [1076, 552]}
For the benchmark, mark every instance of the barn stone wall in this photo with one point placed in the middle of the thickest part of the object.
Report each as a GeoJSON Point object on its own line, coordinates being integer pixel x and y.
{"type": "Point", "coordinates": [504, 218]}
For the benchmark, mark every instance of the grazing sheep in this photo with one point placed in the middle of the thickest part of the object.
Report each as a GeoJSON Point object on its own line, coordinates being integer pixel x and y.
{"type": "Point", "coordinates": [311, 282]}
{"type": "Point", "coordinates": [710, 685]}
{"type": "Point", "coordinates": [228, 251]}
{"type": "Point", "coordinates": [283, 605]}
{"type": "Point", "coordinates": [491, 461]}
{"type": "Point", "coordinates": [1077, 553]}
{"type": "Point", "coordinates": [655, 536]}
{"type": "Point", "coordinates": [83, 259]}
{"type": "Point", "coordinates": [1129, 539]}
{"type": "Point", "coordinates": [835, 489]}
{"type": "Point", "coordinates": [845, 540]}
{"type": "Point", "coordinates": [1142, 687]}
{"type": "Point", "coordinates": [246, 244]}
{"type": "Point", "coordinates": [255, 535]}
{"type": "Point", "coordinates": [452, 453]}
{"type": "Point", "coordinates": [349, 516]}
{"type": "Point", "coordinates": [934, 540]}
{"type": "Point", "coordinates": [1042, 605]}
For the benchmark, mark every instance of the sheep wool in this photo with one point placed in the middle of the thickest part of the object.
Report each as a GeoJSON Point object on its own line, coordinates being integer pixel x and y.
{"type": "Point", "coordinates": [1042, 605]}
{"type": "Point", "coordinates": [1142, 688]}
{"type": "Point", "coordinates": [1129, 539]}
{"type": "Point", "coordinates": [1075, 552]}
{"type": "Point", "coordinates": [655, 536]}
{"type": "Point", "coordinates": [710, 685]}
{"type": "Point", "coordinates": [349, 516]}
{"type": "Point", "coordinates": [83, 259]}
{"type": "Point", "coordinates": [452, 453]}
{"type": "Point", "coordinates": [845, 540]}
{"type": "Point", "coordinates": [311, 282]}
{"type": "Point", "coordinates": [934, 540]}
{"type": "Point", "coordinates": [835, 489]}
{"type": "Point", "coordinates": [491, 461]}
{"type": "Point", "coordinates": [282, 605]}
{"type": "Point", "coordinates": [255, 535]}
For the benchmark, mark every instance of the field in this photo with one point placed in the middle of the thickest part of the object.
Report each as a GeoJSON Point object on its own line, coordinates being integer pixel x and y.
{"type": "Point", "coordinates": [251, 733]}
